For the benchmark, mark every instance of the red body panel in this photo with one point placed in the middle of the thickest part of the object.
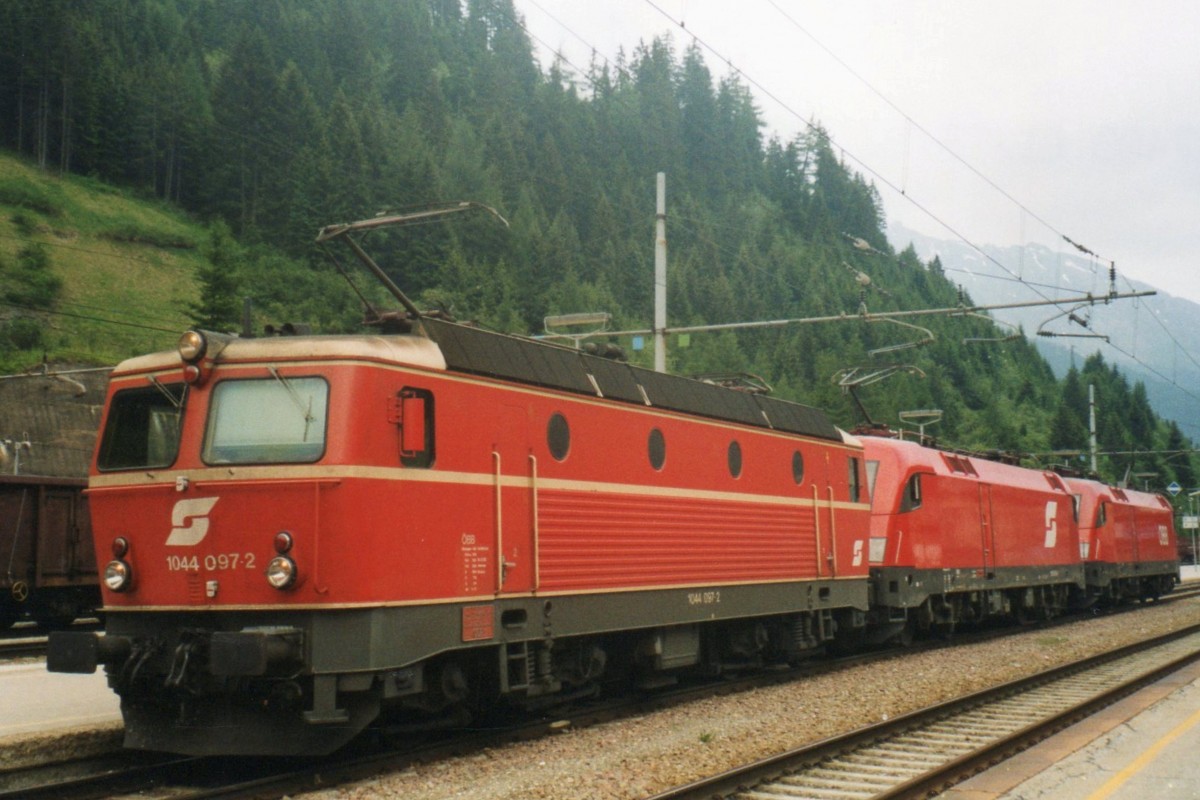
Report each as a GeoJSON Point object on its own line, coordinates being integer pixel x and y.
{"type": "Point", "coordinates": [1123, 525]}
{"type": "Point", "coordinates": [973, 514]}
{"type": "Point", "coordinates": [370, 531]}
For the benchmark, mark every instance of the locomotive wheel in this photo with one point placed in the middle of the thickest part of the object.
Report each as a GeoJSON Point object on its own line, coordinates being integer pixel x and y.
{"type": "Point", "coordinates": [907, 634]}
{"type": "Point", "coordinates": [1026, 616]}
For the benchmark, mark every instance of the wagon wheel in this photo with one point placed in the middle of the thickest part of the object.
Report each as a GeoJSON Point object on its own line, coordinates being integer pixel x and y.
{"type": "Point", "coordinates": [55, 612]}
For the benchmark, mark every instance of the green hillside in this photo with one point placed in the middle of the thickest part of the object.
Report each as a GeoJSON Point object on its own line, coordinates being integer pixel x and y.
{"type": "Point", "coordinates": [88, 272]}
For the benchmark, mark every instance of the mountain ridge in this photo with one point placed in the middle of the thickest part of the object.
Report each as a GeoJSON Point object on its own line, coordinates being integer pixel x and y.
{"type": "Point", "coordinates": [1149, 339]}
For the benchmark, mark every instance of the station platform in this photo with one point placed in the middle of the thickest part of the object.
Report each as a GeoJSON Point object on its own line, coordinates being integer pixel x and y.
{"type": "Point", "coordinates": [1145, 746]}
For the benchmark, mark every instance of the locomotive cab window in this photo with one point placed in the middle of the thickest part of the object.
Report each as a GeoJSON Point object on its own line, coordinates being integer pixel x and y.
{"type": "Point", "coordinates": [855, 482]}
{"type": "Point", "coordinates": [872, 473]}
{"type": "Point", "coordinates": [413, 416]}
{"type": "Point", "coordinates": [274, 420]}
{"type": "Point", "coordinates": [910, 500]}
{"type": "Point", "coordinates": [142, 429]}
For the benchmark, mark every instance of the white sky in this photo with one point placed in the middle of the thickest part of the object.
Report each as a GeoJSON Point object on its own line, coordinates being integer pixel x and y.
{"type": "Point", "coordinates": [1086, 113]}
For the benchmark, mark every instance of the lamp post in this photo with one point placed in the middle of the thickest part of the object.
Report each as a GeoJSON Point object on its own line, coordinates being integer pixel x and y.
{"type": "Point", "coordinates": [921, 417]}
{"type": "Point", "coordinates": [576, 327]}
{"type": "Point", "coordinates": [1145, 478]}
{"type": "Point", "coordinates": [1192, 522]}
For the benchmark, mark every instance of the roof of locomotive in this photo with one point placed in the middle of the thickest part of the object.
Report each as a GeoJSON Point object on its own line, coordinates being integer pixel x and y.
{"type": "Point", "coordinates": [412, 350]}
{"type": "Point", "coordinates": [499, 355]}
{"type": "Point", "coordinates": [462, 348]}
{"type": "Point", "coordinates": [1092, 491]}
{"type": "Point", "coordinates": [911, 455]}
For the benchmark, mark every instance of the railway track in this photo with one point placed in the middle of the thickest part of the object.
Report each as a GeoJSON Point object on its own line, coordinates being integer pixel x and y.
{"type": "Point", "coordinates": [27, 640]}
{"type": "Point", "coordinates": [932, 749]}
{"type": "Point", "coordinates": [33, 647]}
{"type": "Point", "coordinates": [131, 772]}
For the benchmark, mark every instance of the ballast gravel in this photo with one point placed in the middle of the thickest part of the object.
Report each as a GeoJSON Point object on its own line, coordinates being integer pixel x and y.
{"type": "Point", "coordinates": [639, 757]}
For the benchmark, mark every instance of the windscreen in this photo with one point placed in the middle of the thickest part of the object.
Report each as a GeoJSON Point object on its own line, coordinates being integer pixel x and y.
{"type": "Point", "coordinates": [267, 421]}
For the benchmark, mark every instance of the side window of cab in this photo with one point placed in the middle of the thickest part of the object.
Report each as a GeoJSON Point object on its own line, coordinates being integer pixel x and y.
{"type": "Point", "coordinates": [910, 499]}
{"type": "Point", "coordinates": [412, 414]}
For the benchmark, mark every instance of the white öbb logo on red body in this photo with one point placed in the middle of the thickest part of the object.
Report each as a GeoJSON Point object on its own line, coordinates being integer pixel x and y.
{"type": "Point", "coordinates": [194, 512]}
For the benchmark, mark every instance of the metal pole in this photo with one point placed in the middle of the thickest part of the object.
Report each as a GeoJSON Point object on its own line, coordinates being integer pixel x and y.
{"type": "Point", "coordinates": [1092, 423]}
{"type": "Point", "coordinates": [660, 277]}
{"type": "Point", "coordinates": [1192, 508]}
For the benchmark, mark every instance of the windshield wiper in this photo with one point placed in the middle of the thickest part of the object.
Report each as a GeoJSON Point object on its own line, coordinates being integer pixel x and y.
{"type": "Point", "coordinates": [175, 401]}
{"type": "Point", "coordinates": [305, 412]}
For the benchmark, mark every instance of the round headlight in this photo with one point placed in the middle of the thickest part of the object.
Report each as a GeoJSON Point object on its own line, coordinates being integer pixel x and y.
{"type": "Point", "coordinates": [283, 542]}
{"type": "Point", "coordinates": [192, 346]}
{"type": "Point", "coordinates": [117, 575]}
{"type": "Point", "coordinates": [281, 572]}
{"type": "Point", "coordinates": [120, 546]}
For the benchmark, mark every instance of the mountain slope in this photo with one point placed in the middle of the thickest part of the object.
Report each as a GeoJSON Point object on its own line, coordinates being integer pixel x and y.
{"type": "Point", "coordinates": [1152, 339]}
{"type": "Point", "coordinates": [124, 269]}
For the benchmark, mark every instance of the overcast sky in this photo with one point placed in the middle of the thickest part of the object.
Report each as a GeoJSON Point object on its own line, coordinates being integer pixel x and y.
{"type": "Point", "coordinates": [1083, 117]}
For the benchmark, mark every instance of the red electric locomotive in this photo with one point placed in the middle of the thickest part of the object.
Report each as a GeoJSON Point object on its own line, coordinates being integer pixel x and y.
{"type": "Point", "coordinates": [955, 538]}
{"type": "Point", "coordinates": [309, 532]}
{"type": "Point", "coordinates": [1127, 541]}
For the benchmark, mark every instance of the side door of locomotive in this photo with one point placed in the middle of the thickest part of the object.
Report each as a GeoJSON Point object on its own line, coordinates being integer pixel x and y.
{"type": "Point", "coordinates": [834, 483]}
{"type": "Point", "coordinates": [513, 475]}
{"type": "Point", "coordinates": [987, 531]}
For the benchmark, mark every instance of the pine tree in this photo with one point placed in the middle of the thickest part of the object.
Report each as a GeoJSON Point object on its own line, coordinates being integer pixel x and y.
{"type": "Point", "coordinates": [219, 307]}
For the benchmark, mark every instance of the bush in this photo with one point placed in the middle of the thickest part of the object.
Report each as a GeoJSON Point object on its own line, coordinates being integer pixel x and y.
{"type": "Point", "coordinates": [18, 193]}
{"type": "Point", "coordinates": [23, 333]}
{"type": "Point", "coordinates": [30, 282]}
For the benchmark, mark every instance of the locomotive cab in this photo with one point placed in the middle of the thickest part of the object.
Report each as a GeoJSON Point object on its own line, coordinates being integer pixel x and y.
{"type": "Point", "coordinates": [226, 494]}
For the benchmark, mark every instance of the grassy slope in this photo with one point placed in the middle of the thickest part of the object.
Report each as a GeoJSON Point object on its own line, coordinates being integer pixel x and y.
{"type": "Point", "coordinates": [121, 258]}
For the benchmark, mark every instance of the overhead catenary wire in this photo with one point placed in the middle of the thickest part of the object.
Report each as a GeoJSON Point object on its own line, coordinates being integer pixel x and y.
{"type": "Point", "coordinates": [951, 229]}
{"type": "Point", "coordinates": [1015, 277]}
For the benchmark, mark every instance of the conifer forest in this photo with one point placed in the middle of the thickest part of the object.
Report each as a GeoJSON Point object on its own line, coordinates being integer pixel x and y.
{"type": "Point", "coordinates": [264, 121]}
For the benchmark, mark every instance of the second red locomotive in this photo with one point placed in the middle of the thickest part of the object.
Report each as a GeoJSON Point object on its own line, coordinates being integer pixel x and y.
{"type": "Point", "coordinates": [956, 538]}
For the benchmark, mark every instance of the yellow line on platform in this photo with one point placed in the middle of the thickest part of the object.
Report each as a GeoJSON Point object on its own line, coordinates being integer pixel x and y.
{"type": "Point", "coordinates": [1142, 761]}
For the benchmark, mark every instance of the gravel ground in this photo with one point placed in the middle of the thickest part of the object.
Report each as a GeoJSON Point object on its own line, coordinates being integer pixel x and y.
{"type": "Point", "coordinates": [635, 758]}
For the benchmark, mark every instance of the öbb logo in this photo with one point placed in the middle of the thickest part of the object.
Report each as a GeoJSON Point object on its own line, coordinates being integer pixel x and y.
{"type": "Point", "coordinates": [194, 513]}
